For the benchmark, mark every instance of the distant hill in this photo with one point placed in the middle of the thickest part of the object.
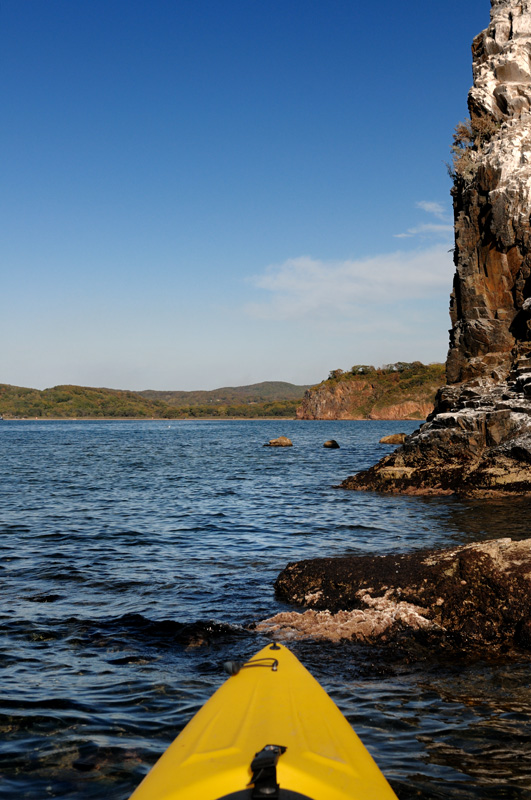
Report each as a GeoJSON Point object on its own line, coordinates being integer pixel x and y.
{"type": "Point", "coordinates": [398, 391]}
{"type": "Point", "coordinates": [269, 399]}
{"type": "Point", "coordinates": [265, 392]}
{"type": "Point", "coordinates": [405, 390]}
{"type": "Point", "coordinates": [75, 401]}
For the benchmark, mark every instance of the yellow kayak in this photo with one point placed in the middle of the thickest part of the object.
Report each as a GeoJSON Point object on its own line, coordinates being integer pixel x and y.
{"type": "Point", "coordinates": [270, 731]}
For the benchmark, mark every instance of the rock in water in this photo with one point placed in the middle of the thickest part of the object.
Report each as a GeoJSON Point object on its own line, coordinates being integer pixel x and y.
{"type": "Point", "coordinates": [331, 444]}
{"type": "Point", "coordinates": [394, 438]}
{"type": "Point", "coordinates": [477, 441]}
{"type": "Point", "coordinates": [476, 597]}
{"type": "Point", "coordinates": [282, 441]}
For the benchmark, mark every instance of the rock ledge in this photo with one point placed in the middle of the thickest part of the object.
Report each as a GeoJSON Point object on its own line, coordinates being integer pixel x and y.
{"type": "Point", "coordinates": [477, 598]}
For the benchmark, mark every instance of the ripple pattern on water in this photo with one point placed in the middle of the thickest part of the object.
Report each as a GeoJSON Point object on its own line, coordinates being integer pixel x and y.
{"type": "Point", "coordinates": [133, 556]}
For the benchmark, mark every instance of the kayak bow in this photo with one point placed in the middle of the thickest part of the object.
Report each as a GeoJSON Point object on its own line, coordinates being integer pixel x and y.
{"type": "Point", "coordinates": [270, 731]}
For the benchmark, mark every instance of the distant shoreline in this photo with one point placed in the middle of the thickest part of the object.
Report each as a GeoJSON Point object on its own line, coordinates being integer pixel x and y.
{"type": "Point", "coordinates": [196, 419]}
{"type": "Point", "coordinates": [155, 419]}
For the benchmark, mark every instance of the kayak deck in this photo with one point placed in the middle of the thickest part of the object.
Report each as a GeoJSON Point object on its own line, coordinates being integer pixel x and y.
{"type": "Point", "coordinates": [271, 701]}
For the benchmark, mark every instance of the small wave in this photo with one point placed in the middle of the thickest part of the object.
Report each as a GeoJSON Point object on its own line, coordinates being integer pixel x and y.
{"type": "Point", "coordinates": [44, 598]}
{"type": "Point", "coordinates": [130, 628]}
{"type": "Point", "coordinates": [167, 632]}
{"type": "Point", "coordinates": [15, 529]}
{"type": "Point", "coordinates": [48, 703]}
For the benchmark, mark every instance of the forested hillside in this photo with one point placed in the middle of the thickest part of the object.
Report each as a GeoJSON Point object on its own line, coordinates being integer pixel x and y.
{"type": "Point", "coordinates": [402, 390]}
{"type": "Point", "coordinates": [275, 399]}
{"type": "Point", "coordinates": [265, 392]}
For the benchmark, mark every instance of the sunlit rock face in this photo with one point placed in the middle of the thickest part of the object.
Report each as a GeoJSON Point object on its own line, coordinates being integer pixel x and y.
{"type": "Point", "coordinates": [345, 400]}
{"type": "Point", "coordinates": [492, 204]}
{"type": "Point", "coordinates": [478, 439]}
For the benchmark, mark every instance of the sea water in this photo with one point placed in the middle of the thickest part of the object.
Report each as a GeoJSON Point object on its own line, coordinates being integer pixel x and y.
{"type": "Point", "coordinates": [135, 558]}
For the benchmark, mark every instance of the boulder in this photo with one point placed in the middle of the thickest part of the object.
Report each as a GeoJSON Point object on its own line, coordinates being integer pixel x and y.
{"type": "Point", "coordinates": [332, 444]}
{"type": "Point", "coordinates": [282, 441]}
{"type": "Point", "coordinates": [394, 438]}
{"type": "Point", "coordinates": [477, 597]}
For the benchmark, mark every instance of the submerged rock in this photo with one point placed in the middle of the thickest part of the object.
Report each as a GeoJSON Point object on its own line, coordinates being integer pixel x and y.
{"type": "Point", "coordinates": [477, 441]}
{"type": "Point", "coordinates": [476, 597]}
{"type": "Point", "coordinates": [282, 441]}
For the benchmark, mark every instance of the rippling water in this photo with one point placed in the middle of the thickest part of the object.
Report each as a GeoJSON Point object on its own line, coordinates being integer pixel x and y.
{"type": "Point", "coordinates": [134, 555]}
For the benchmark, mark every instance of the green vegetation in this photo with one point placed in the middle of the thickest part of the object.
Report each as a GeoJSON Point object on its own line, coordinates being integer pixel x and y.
{"type": "Point", "coordinates": [274, 399]}
{"type": "Point", "coordinates": [378, 388]}
{"type": "Point", "coordinates": [265, 392]}
{"type": "Point", "coordinates": [281, 408]}
{"type": "Point", "coordinates": [74, 401]}
{"type": "Point", "coordinates": [403, 373]}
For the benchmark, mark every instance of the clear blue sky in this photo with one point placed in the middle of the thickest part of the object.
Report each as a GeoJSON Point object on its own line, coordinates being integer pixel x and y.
{"type": "Point", "coordinates": [201, 193]}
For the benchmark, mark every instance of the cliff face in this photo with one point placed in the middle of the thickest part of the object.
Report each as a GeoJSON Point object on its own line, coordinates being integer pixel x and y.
{"type": "Point", "coordinates": [356, 400]}
{"type": "Point", "coordinates": [478, 439]}
{"type": "Point", "coordinates": [335, 401]}
{"type": "Point", "coordinates": [398, 391]}
{"type": "Point", "coordinates": [492, 201]}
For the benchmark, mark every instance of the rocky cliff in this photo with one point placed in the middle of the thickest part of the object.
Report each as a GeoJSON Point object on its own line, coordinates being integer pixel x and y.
{"type": "Point", "coordinates": [399, 391]}
{"type": "Point", "coordinates": [478, 439]}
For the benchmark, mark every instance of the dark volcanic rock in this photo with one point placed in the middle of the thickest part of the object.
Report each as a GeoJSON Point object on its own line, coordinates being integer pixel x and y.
{"type": "Point", "coordinates": [478, 597]}
{"type": "Point", "coordinates": [470, 451]}
{"type": "Point", "coordinates": [477, 441]}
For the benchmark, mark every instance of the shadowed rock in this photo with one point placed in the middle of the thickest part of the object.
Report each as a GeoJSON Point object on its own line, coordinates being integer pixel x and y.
{"type": "Point", "coordinates": [478, 439]}
{"type": "Point", "coordinates": [331, 444]}
{"type": "Point", "coordinates": [477, 597]}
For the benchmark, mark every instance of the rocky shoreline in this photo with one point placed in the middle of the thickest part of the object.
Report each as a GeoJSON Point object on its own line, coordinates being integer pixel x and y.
{"type": "Point", "coordinates": [474, 599]}
{"type": "Point", "coordinates": [480, 447]}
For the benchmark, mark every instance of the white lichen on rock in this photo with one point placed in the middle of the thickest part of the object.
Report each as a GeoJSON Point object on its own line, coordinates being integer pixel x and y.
{"type": "Point", "coordinates": [502, 93]}
{"type": "Point", "coordinates": [471, 597]}
{"type": "Point", "coordinates": [382, 616]}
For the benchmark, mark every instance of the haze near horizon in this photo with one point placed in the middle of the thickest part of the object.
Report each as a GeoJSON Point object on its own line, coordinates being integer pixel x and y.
{"type": "Point", "coordinates": [206, 194]}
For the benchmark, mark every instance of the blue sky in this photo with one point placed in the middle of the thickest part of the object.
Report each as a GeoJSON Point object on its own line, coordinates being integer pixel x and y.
{"type": "Point", "coordinates": [202, 193]}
